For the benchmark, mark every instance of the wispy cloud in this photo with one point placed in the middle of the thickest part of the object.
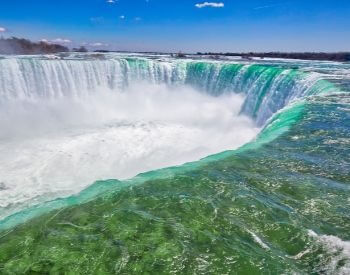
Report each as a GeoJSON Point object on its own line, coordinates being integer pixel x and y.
{"type": "Point", "coordinates": [2, 29]}
{"type": "Point", "coordinates": [62, 40]}
{"type": "Point", "coordinates": [98, 44]}
{"type": "Point", "coordinates": [95, 44]}
{"type": "Point", "coordinates": [122, 17]}
{"type": "Point", "coordinates": [210, 4]}
{"type": "Point", "coordinates": [111, 1]}
{"type": "Point", "coordinates": [270, 6]}
{"type": "Point", "coordinates": [97, 20]}
{"type": "Point", "coordinates": [57, 40]}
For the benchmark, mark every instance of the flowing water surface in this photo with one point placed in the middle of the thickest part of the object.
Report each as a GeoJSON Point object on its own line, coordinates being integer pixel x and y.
{"type": "Point", "coordinates": [258, 157]}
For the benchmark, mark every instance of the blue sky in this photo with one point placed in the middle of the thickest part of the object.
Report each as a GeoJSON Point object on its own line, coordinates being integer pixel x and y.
{"type": "Point", "coordinates": [187, 25]}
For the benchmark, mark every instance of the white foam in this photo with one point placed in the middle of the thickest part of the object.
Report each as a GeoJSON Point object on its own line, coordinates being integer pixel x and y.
{"type": "Point", "coordinates": [339, 250]}
{"type": "Point", "coordinates": [53, 148]}
{"type": "Point", "coordinates": [258, 240]}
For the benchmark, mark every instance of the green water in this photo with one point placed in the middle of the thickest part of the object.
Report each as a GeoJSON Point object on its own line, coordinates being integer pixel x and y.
{"type": "Point", "coordinates": [279, 205]}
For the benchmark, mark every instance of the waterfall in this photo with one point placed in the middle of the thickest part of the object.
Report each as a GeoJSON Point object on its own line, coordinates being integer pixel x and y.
{"type": "Point", "coordinates": [267, 88]}
{"type": "Point", "coordinates": [67, 123]}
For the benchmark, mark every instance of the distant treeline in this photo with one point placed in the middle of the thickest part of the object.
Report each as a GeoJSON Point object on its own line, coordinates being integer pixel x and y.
{"type": "Point", "coordinates": [16, 45]}
{"type": "Point", "coordinates": [339, 56]}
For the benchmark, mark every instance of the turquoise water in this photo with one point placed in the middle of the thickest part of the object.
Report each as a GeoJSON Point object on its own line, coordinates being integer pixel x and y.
{"type": "Point", "coordinates": [278, 205]}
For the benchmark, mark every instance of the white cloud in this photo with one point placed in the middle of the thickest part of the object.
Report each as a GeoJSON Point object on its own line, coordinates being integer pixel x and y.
{"type": "Point", "coordinates": [60, 40]}
{"type": "Point", "coordinates": [122, 17]}
{"type": "Point", "coordinates": [137, 18]}
{"type": "Point", "coordinates": [98, 44]}
{"type": "Point", "coordinates": [112, 1]}
{"type": "Point", "coordinates": [57, 40]}
{"type": "Point", "coordinates": [2, 29]}
{"type": "Point", "coordinates": [210, 4]}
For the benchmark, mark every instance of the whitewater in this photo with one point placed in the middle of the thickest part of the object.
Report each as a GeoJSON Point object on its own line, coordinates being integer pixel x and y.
{"type": "Point", "coordinates": [250, 156]}
{"type": "Point", "coordinates": [67, 124]}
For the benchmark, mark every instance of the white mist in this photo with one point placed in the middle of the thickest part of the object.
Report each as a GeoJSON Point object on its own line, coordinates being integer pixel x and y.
{"type": "Point", "coordinates": [56, 147]}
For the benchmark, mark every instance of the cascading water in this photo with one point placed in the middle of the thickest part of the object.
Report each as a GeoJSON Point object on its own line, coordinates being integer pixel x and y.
{"type": "Point", "coordinates": [67, 123]}
{"type": "Point", "coordinates": [109, 119]}
{"type": "Point", "coordinates": [268, 88]}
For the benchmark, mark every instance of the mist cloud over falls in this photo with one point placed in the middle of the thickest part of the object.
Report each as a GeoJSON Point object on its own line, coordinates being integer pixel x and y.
{"type": "Point", "coordinates": [56, 147]}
